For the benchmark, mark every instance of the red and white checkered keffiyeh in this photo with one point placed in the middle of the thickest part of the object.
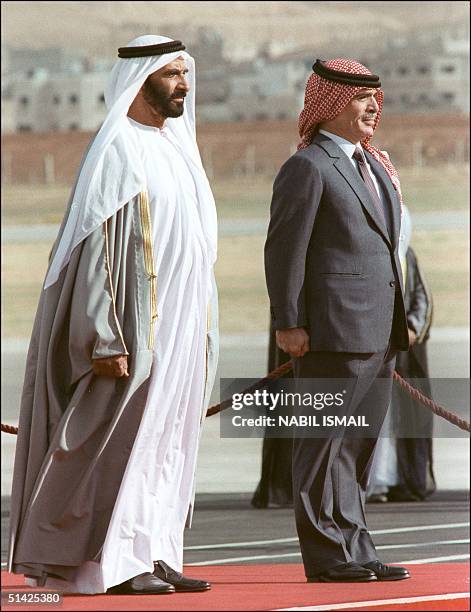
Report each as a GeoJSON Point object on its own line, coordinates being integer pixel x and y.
{"type": "Point", "coordinates": [325, 99]}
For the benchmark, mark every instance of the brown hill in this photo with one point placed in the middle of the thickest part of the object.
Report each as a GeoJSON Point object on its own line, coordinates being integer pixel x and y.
{"type": "Point", "coordinates": [98, 28]}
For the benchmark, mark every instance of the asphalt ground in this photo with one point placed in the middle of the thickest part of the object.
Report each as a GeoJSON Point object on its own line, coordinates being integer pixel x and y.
{"type": "Point", "coordinates": [228, 530]}
{"type": "Point", "coordinates": [450, 219]}
{"type": "Point", "coordinates": [231, 520]}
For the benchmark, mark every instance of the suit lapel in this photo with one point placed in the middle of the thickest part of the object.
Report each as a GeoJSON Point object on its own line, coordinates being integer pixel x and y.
{"type": "Point", "coordinates": [345, 167]}
{"type": "Point", "coordinates": [391, 194]}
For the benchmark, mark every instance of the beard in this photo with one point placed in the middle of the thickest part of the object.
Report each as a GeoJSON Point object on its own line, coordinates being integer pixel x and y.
{"type": "Point", "coordinates": [161, 102]}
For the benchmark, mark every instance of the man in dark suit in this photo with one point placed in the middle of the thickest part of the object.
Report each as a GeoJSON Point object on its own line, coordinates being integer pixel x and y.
{"type": "Point", "coordinates": [335, 286]}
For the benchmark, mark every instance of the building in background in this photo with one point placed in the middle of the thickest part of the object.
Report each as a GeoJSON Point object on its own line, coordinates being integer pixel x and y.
{"type": "Point", "coordinates": [213, 77]}
{"type": "Point", "coordinates": [268, 87]}
{"type": "Point", "coordinates": [427, 73]}
{"type": "Point", "coordinates": [51, 89]}
{"type": "Point", "coordinates": [53, 59]}
{"type": "Point", "coordinates": [54, 90]}
{"type": "Point", "coordinates": [45, 102]}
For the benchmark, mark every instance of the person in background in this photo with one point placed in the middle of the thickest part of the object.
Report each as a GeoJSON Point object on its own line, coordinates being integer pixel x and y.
{"type": "Point", "coordinates": [403, 464]}
{"type": "Point", "coordinates": [275, 488]}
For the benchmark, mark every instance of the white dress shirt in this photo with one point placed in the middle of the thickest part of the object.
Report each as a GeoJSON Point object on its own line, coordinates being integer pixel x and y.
{"type": "Point", "coordinates": [349, 149]}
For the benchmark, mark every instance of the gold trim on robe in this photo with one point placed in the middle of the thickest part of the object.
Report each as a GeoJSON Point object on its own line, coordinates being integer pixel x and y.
{"type": "Point", "coordinates": [113, 299]}
{"type": "Point", "coordinates": [146, 224]}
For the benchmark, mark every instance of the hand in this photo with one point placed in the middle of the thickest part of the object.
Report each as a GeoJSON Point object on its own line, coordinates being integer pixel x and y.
{"type": "Point", "coordinates": [412, 337]}
{"type": "Point", "coordinates": [114, 367]}
{"type": "Point", "coordinates": [294, 341]}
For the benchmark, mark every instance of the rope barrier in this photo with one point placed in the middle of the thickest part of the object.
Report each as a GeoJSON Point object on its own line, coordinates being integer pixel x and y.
{"type": "Point", "coordinates": [11, 429]}
{"type": "Point", "coordinates": [417, 395]}
{"type": "Point", "coordinates": [285, 368]}
{"type": "Point", "coordinates": [434, 407]}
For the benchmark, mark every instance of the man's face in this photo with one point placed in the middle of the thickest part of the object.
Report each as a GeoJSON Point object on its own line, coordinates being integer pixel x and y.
{"type": "Point", "coordinates": [165, 89]}
{"type": "Point", "coordinates": [357, 119]}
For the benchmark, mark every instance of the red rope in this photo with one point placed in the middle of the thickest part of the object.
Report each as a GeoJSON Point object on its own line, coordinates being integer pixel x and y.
{"type": "Point", "coordinates": [417, 395]}
{"type": "Point", "coordinates": [434, 407]}
{"type": "Point", "coordinates": [10, 429]}
{"type": "Point", "coordinates": [287, 367]}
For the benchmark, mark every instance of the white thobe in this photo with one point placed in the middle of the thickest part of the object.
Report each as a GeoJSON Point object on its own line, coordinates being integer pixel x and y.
{"type": "Point", "coordinates": [152, 504]}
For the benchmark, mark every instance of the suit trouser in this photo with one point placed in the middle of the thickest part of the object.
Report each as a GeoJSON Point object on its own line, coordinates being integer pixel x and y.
{"type": "Point", "coordinates": [330, 474]}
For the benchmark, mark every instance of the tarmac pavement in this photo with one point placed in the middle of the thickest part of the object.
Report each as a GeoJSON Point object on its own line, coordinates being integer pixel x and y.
{"type": "Point", "coordinates": [226, 529]}
{"type": "Point", "coordinates": [451, 219]}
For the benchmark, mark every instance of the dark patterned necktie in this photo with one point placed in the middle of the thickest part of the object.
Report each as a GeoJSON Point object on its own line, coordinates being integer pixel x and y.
{"type": "Point", "coordinates": [365, 175]}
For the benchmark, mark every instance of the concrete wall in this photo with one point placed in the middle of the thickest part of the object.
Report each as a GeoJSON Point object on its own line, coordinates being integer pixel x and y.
{"type": "Point", "coordinates": [245, 148]}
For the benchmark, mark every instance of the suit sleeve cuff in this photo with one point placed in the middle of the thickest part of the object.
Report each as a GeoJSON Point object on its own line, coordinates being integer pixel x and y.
{"type": "Point", "coordinates": [285, 318]}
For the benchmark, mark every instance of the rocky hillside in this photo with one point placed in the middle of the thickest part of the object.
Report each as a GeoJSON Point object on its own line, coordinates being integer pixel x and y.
{"type": "Point", "coordinates": [98, 28]}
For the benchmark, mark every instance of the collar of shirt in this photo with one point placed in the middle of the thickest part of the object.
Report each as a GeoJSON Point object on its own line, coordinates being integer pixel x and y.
{"type": "Point", "coordinates": [148, 128]}
{"type": "Point", "coordinates": [347, 147]}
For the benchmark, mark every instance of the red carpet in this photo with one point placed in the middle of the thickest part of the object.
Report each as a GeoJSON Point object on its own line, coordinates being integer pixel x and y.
{"type": "Point", "coordinates": [267, 587]}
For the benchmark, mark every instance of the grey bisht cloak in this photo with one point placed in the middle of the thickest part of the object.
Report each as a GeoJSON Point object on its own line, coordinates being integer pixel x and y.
{"type": "Point", "coordinates": [76, 430]}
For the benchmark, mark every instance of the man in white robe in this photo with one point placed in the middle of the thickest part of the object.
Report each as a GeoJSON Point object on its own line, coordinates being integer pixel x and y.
{"type": "Point", "coordinates": [124, 348]}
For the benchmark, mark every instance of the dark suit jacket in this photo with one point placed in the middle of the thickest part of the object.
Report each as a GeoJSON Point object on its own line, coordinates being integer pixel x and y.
{"type": "Point", "coordinates": [330, 263]}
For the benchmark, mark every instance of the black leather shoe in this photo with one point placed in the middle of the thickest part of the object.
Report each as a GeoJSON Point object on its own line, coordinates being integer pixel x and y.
{"type": "Point", "coordinates": [179, 581]}
{"type": "Point", "coordinates": [387, 572]}
{"type": "Point", "coordinates": [400, 494]}
{"type": "Point", "coordinates": [347, 572]}
{"type": "Point", "coordinates": [377, 498]}
{"type": "Point", "coordinates": [143, 584]}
